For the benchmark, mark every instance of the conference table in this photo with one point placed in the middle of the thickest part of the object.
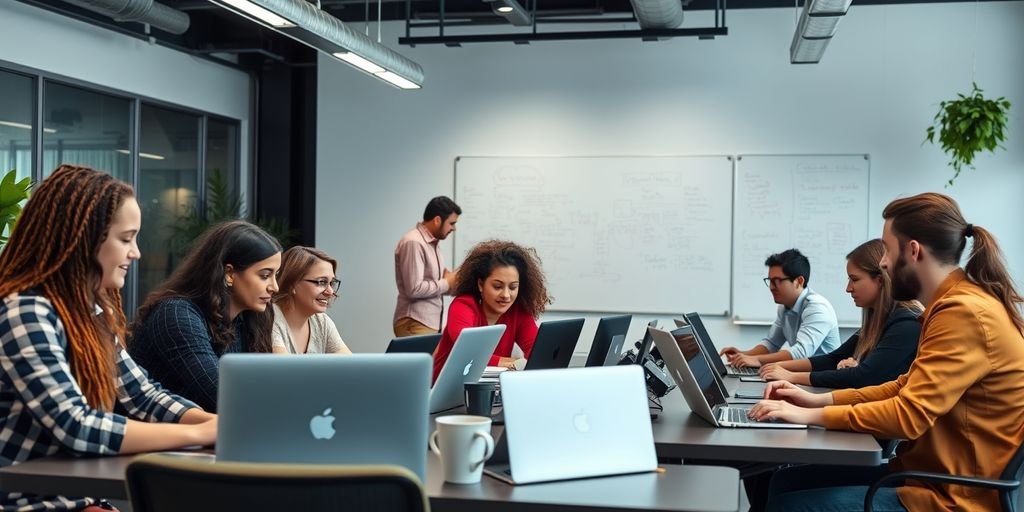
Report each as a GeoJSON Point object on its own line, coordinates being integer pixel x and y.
{"type": "Point", "coordinates": [675, 489]}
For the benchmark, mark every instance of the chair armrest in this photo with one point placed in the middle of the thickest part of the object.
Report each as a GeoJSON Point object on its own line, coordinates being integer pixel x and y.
{"type": "Point", "coordinates": [897, 478]}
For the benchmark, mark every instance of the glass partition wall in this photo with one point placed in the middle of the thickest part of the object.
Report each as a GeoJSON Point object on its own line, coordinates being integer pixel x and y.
{"type": "Point", "coordinates": [166, 152]}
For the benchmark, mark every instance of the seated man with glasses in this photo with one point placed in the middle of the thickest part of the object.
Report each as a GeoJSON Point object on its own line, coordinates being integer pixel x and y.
{"type": "Point", "coordinates": [307, 288]}
{"type": "Point", "coordinates": [806, 324]}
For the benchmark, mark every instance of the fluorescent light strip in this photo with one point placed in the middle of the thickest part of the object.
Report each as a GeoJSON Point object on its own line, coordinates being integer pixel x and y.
{"type": "Point", "coordinates": [396, 80]}
{"type": "Point", "coordinates": [359, 62]}
{"type": "Point", "coordinates": [24, 126]}
{"type": "Point", "coordinates": [505, 9]}
{"type": "Point", "coordinates": [260, 13]}
{"type": "Point", "coordinates": [150, 156]}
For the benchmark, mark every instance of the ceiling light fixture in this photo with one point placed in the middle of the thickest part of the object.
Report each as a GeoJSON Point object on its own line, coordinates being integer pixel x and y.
{"type": "Point", "coordinates": [307, 24]}
{"type": "Point", "coordinates": [150, 156]}
{"type": "Point", "coordinates": [816, 27]}
{"type": "Point", "coordinates": [24, 126]}
{"type": "Point", "coordinates": [512, 11]}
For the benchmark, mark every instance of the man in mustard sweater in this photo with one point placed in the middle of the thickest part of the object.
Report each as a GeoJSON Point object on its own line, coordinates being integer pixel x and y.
{"type": "Point", "coordinates": [961, 404]}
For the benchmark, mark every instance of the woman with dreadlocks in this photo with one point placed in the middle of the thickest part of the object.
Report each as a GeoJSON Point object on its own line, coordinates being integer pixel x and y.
{"type": "Point", "coordinates": [62, 328]}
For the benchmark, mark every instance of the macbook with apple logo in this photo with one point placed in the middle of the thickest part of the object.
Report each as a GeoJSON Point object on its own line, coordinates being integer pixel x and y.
{"type": "Point", "coordinates": [324, 409]}
{"type": "Point", "coordinates": [556, 340]}
{"type": "Point", "coordinates": [466, 363]}
{"type": "Point", "coordinates": [569, 423]}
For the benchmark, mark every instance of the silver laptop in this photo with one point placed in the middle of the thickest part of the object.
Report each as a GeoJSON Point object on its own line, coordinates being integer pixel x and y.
{"type": "Point", "coordinates": [466, 363]}
{"type": "Point", "coordinates": [753, 392]}
{"type": "Point", "coordinates": [695, 378]}
{"type": "Point", "coordinates": [693, 320]}
{"type": "Point", "coordinates": [324, 409]}
{"type": "Point", "coordinates": [573, 423]}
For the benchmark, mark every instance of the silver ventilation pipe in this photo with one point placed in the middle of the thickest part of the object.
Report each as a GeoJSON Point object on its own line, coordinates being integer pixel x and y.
{"type": "Point", "coordinates": [328, 34]}
{"type": "Point", "coordinates": [142, 11]}
{"type": "Point", "coordinates": [658, 13]}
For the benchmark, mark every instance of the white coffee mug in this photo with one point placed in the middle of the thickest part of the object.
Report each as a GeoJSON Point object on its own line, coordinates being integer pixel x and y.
{"type": "Point", "coordinates": [456, 442]}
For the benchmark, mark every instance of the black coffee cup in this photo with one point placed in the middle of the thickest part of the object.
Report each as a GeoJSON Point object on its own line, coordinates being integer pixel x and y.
{"type": "Point", "coordinates": [480, 397]}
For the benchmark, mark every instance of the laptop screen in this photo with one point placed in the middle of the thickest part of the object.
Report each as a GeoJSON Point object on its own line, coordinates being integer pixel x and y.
{"type": "Point", "coordinates": [699, 366]}
{"type": "Point", "coordinates": [646, 345]}
{"type": "Point", "coordinates": [705, 340]}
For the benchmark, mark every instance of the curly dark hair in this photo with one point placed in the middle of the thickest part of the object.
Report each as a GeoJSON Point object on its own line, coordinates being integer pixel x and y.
{"type": "Point", "coordinates": [487, 255]}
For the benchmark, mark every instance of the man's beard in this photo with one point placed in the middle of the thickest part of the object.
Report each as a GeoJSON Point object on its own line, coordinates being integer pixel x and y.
{"type": "Point", "coordinates": [905, 283]}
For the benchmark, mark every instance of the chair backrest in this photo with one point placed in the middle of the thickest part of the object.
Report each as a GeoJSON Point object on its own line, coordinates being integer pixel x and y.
{"type": "Point", "coordinates": [167, 482]}
{"type": "Point", "coordinates": [423, 343]}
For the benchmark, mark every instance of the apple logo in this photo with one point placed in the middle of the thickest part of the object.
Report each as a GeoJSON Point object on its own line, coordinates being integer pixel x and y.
{"type": "Point", "coordinates": [581, 422]}
{"type": "Point", "coordinates": [465, 371]}
{"type": "Point", "coordinates": [322, 426]}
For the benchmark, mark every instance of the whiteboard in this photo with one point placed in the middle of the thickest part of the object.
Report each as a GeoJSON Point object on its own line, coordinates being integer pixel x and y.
{"type": "Point", "coordinates": [630, 234]}
{"type": "Point", "coordinates": [815, 203]}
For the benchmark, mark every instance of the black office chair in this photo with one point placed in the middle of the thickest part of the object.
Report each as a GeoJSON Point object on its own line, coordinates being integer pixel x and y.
{"type": "Point", "coordinates": [424, 343]}
{"type": "Point", "coordinates": [1008, 483]}
{"type": "Point", "coordinates": [167, 483]}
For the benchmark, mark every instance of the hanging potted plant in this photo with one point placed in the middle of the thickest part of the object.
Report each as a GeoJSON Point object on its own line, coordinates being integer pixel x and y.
{"type": "Point", "coordinates": [12, 194]}
{"type": "Point", "coordinates": [968, 125]}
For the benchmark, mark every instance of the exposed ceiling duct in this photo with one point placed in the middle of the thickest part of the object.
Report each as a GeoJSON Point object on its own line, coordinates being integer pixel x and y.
{"type": "Point", "coordinates": [306, 23]}
{"type": "Point", "coordinates": [142, 11]}
{"type": "Point", "coordinates": [658, 13]}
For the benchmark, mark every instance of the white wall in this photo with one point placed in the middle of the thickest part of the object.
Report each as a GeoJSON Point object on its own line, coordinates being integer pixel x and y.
{"type": "Point", "coordinates": [382, 153]}
{"type": "Point", "coordinates": [53, 43]}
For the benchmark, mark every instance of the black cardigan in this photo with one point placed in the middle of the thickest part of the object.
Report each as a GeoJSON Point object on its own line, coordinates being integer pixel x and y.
{"type": "Point", "coordinates": [890, 358]}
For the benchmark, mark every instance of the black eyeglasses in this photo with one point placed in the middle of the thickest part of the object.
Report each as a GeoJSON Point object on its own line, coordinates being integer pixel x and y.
{"type": "Point", "coordinates": [322, 283]}
{"type": "Point", "coordinates": [776, 281]}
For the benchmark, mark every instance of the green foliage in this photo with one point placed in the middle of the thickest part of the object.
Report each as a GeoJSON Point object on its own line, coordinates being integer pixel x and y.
{"type": "Point", "coordinates": [223, 204]}
{"type": "Point", "coordinates": [967, 126]}
{"type": "Point", "coordinates": [12, 194]}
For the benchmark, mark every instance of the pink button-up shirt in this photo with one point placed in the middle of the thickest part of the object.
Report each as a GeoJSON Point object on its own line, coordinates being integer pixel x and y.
{"type": "Point", "coordinates": [419, 275]}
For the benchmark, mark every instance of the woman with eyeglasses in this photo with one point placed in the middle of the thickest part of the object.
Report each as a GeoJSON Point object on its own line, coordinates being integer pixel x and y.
{"type": "Point", "coordinates": [216, 302]}
{"type": "Point", "coordinates": [884, 346]}
{"type": "Point", "coordinates": [308, 287]}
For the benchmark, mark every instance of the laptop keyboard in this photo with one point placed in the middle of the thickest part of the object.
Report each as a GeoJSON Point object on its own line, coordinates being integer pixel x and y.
{"type": "Point", "coordinates": [734, 415]}
{"type": "Point", "coordinates": [747, 370]}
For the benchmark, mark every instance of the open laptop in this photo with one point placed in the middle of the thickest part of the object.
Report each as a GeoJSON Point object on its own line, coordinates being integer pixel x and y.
{"type": "Point", "coordinates": [466, 363]}
{"type": "Point", "coordinates": [573, 423]}
{"type": "Point", "coordinates": [556, 340]}
{"type": "Point", "coordinates": [742, 395]}
{"type": "Point", "coordinates": [695, 378]}
{"type": "Point", "coordinates": [423, 344]}
{"type": "Point", "coordinates": [324, 409]}
{"type": "Point", "coordinates": [602, 348]}
{"type": "Point", "coordinates": [693, 320]}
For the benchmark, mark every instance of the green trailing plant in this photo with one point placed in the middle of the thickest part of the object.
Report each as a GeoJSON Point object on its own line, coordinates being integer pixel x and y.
{"type": "Point", "coordinates": [967, 126]}
{"type": "Point", "coordinates": [222, 204]}
{"type": "Point", "coordinates": [13, 193]}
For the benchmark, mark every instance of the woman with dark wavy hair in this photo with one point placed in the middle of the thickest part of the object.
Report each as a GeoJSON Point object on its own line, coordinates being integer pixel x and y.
{"type": "Point", "coordinates": [499, 282]}
{"type": "Point", "coordinates": [217, 301]}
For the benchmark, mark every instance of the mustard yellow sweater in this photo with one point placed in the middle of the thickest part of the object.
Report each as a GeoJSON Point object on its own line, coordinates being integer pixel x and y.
{"type": "Point", "coordinates": [961, 404]}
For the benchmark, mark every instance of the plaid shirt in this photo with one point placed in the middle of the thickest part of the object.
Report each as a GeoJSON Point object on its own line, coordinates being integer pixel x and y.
{"type": "Point", "coordinates": [42, 410]}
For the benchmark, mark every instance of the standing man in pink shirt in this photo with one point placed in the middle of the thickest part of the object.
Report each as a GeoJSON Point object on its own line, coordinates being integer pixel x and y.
{"type": "Point", "coordinates": [420, 274]}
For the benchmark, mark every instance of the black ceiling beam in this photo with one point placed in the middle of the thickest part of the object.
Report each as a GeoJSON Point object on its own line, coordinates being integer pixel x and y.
{"type": "Point", "coordinates": [526, 37]}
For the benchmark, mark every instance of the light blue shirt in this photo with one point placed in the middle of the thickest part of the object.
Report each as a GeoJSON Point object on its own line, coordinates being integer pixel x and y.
{"type": "Point", "coordinates": [807, 329]}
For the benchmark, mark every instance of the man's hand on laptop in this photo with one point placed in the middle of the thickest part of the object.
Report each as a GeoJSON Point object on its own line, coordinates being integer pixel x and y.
{"type": "Point", "coordinates": [782, 390]}
{"type": "Point", "coordinates": [741, 360]}
{"type": "Point", "coordinates": [777, 410]}
{"type": "Point", "coordinates": [772, 371]}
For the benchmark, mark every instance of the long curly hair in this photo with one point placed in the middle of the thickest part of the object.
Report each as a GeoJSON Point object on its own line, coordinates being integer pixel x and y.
{"type": "Point", "coordinates": [53, 251]}
{"type": "Point", "coordinates": [201, 279]}
{"type": "Point", "coordinates": [486, 256]}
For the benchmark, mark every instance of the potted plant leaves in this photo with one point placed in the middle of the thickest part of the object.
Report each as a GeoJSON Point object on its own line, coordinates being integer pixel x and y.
{"type": "Point", "coordinates": [967, 126]}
